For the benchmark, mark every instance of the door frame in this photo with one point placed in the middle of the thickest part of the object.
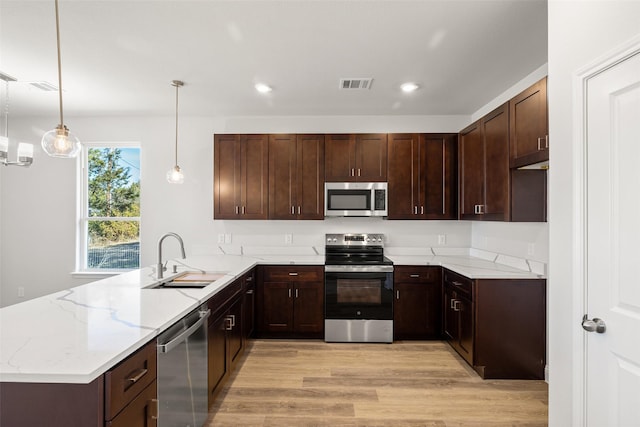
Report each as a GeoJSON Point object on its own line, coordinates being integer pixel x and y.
{"type": "Point", "coordinates": [579, 259]}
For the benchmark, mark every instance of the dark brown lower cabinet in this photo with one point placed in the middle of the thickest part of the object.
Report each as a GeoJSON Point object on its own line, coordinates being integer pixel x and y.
{"type": "Point", "coordinates": [125, 395]}
{"type": "Point", "coordinates": [291, 301]}
{"type": "Point", "coordinates": [225, 343]}
{"type": "Point", "coordinates": [417, 310]}
{"type": "Point", "coordinates": [497, 325]}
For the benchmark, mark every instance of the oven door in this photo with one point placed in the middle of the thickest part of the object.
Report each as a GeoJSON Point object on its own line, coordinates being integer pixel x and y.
{"type": "Point", "coordinates": [359, 292]}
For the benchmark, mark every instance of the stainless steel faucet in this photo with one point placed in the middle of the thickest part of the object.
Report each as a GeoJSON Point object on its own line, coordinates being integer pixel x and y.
{"type": "Point", "coordinates": [160, 267]}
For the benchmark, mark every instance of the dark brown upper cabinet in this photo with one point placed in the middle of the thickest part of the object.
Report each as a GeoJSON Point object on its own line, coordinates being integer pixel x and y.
{"type": "Point", "coordinates": [240, 176]}
{"type": "Point", "coordinates": [356, 157]}
{"type": "Point", "coordinates": [422, 176]}
{"type": "Point", "coordinates": [484, 168]}
{"type": "Point", "coordinates": [296, 176]}
{"type": "Point", "coordinates": [529, 128]}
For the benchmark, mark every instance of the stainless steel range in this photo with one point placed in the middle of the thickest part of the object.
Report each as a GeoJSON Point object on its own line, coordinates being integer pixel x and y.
{"type": "Point", "coordinates": [358, 289]}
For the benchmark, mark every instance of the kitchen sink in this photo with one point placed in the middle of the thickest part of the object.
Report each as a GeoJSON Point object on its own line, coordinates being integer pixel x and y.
{"type": "Point", "coordinates": [187, 280]}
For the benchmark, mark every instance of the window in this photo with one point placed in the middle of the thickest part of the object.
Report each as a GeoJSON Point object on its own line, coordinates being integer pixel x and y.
{"type": "Point", "coordinates": [109, 220]}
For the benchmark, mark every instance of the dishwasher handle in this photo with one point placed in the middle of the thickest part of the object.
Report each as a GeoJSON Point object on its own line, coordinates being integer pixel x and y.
{"type": "Point", "coordinates": [167, 347]}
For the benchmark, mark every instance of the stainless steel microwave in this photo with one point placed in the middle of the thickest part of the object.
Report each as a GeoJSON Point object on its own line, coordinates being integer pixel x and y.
{"type": "Point", "coordinates": [355, 199]}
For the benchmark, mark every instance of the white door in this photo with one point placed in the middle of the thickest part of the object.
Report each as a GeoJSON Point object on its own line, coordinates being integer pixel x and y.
{"type": "Point", "coordinates": [613, 244]}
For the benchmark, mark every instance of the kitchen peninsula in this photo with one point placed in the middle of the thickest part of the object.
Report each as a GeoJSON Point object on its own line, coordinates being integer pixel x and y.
{"type": "Point", "coordinates": [89, 329]}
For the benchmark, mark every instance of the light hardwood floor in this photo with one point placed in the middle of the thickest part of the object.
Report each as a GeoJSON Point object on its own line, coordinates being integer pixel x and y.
{"type": "Point", "coordinates": [423, 383]}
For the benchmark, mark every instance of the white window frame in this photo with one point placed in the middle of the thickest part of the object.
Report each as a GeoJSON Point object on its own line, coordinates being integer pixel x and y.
{"type": "Point", "coordinates": [82, 210]}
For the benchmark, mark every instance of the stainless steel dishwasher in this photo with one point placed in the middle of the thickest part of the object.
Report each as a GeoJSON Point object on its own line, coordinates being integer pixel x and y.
{"type": "Point", "coordinates": [182, 372]}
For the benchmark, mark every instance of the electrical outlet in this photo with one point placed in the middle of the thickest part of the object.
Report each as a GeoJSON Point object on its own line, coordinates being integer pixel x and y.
{"type": "Point", "coordinates": [531, 249]}
{"type": "Point", "coordinates": [288, 239]}
{"type": "Point", "coordinates": [21, 291]}
{"type": "Point", "coordinates": [442, 239]}
{"type": "Point", "coordinates": [220, 238]}
{"type": "Point", "coordinates": [227, 238]}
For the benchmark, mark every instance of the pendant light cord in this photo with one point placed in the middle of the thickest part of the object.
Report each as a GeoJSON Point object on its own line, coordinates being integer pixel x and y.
{"type": "Point", "coordinates": [177, 87]}
{"type": "Point", "coordinates": [6, 111]}
{"type": "Point", "coordinates": [59, 63]}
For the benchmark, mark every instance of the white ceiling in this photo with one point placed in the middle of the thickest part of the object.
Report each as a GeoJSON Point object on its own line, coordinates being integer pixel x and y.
{"type": "Point", "coordinates": [119, 57]}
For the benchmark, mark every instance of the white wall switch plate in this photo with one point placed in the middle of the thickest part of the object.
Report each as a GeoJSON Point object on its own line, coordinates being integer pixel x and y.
{"type": "Point", "coordinates": [442, 239]}
{"type": "Point", "coordinates": [227, 238]}
{"type": "Point", "coordinates": [220, 238]}
{"type": "Point", "coordinates": [288, 239]}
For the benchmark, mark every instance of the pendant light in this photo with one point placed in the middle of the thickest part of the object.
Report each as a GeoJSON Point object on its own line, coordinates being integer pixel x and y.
{"type": "Point", "coordinates": [175, 175]}
{"type": "Point", "coordinates": [59, 142]}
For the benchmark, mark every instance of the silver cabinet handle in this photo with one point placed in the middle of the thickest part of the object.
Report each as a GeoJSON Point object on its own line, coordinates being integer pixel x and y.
{"type": "Point", "coordinates": [539, 144]}
{"type": "Point", "coordinates": [289, 292]}
{"type": "Point", "coordinates": [156, 409]}
{"type": "Point", "coordinates": [421, 210]}
{"type": "Point", "coordinates": [228, 326]}
{"type": "Point", "coordinates": [233, 320]}
{"type": "Point", "coordinates": [249, 279]}
{"type": "Point", "coordinates": [293, 210]}
{"type": "Point", "coordinates": [299, 210]}
{"type": "Point", "coordinates": [250, 292]}
{"type": "Point", "coordinates": [415, 210]}
{"type": "Point", "coordinates": [293, 273]}
{"type": "Point", "coordinates": [237, 210]}
{"type": "Point", "coordinates": [456, 306]}
{"type": "Point", "coordinates": [595, 325]}
{"type": "Point", "coordinates": [135, 378]}
{"type": "Point", "coordinates": [359, 172]}
{"type": "Point", "coordinates": [353, 172]}
{"type": "Point", "coordinates": [546, 141]}
{"type": "Point", "coordinates": [397, 294]}
{"type": "Point", "coordinates": [452, 303]}
{"type": "Point", "coordinates": [454, 283]}
{"type": "Point", "coordinates": [244, 210]}
{"type": "Point", "coordinates": [296, 292]}
{"type": "Point", "coordinates": [415, 276]}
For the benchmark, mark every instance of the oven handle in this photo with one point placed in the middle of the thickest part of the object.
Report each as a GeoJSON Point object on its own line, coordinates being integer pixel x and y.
{"type": "Point", "coordinates": [358, 268]}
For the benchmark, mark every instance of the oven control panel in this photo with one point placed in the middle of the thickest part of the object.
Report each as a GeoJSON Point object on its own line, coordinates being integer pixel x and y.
{"type": "Point", "coordinates": [363, 239]}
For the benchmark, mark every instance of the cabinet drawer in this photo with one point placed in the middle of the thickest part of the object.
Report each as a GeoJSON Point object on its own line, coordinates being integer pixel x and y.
{"type": "Point", "coordinates": [125, 381]}
{"type": "Point", "coordinates": [415, 274]}
{"type": "Point", "coordinates": [293, 274]}
{"type": "Point", "coordinates": [220, 301]}
{"type": "Point", "coordinates": [458, 283]}
{"type": "Point", "coordinates": [143, 411]}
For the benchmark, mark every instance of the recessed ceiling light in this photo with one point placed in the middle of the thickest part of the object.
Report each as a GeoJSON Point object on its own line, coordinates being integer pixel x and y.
{"type": "Point", "coordinates": [409, 87]}
{"type": "Point", "coordinates": [263, 88]}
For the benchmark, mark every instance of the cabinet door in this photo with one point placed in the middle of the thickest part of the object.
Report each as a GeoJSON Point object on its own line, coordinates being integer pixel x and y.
{"type": "Point", "coordinates": [249, 305]}
{"type": "Point", "coordinates": [528, 125]}
{"type": "Point", "coordinates": [495, 127]}
{"type": "Point", "coordinates": [308, 307]}
{"type": "Point", "coordinates": [450, 318]}
{"type": "Point", "coordinates": [471, 167]}
{"type": "Point", "coordinates": [371, 157]}
{"type": "Point", "coordinates": [217, 354]}
{"type": "Point", "coordinates": [403, 170]}
{"type": "Point", "coordinates": [309, 181]}
{"type": "Point", "coordinates": [416, 311]}
{"type": "Point", "coordinates": [464, 309]}
{"type": "Point", "coordinates": [226, 167]}
{"type": "Point", "coordinates": [339, 165]}
{"type": "Point", "coordinates": [254, 177]}
{"type": "Point", "coordinates": [282, 176]}
{"type": "Point", "coordinates": [141, 412]}
{"type": "Point", "coordinates": [437, 185]}
{"type": "Point", "coordinates": [235, 341]}
{"type": "Point", "coordinates": [277, 307]}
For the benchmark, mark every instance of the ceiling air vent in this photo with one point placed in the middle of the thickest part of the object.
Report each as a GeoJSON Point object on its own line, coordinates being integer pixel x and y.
{"type": "Point", "coordinates": [45, 86]}
{"type": "Point", "coordinates": [362, 83]}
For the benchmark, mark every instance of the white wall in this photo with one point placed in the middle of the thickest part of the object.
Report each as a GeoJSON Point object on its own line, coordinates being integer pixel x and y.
{"type": "Point", "coordinates": [579, 32]}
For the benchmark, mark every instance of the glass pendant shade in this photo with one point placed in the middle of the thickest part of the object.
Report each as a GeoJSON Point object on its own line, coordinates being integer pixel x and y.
{"type": "Point", "coordinates": [59, 142]}
{"type": "Point", "coordinates": [175, 175]}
